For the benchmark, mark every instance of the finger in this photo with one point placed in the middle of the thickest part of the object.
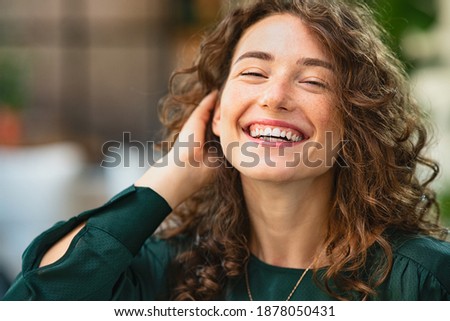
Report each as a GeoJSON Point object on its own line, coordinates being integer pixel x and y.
{"type": "Point", "coordinates": [205, 107]}
{"type": "Point", "coordinates": [196, 123]}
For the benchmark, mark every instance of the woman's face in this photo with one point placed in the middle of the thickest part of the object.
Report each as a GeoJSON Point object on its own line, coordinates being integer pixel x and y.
{"type": "Point", "coordinates": [276, 117]}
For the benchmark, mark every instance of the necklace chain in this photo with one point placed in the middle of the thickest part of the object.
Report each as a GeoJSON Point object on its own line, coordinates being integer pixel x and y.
{"type": "Point", "coordinates": [249, 292]}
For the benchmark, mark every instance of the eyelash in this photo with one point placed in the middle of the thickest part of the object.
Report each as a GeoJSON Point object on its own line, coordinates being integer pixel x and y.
{"type": "Point", "coordinates": [252, 73]}
{"type": "Point", "coordinates": [316, 83]}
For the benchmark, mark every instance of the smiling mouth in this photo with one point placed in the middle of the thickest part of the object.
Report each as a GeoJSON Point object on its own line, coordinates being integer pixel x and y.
{"type": "Point", "coordinates": [275, 134]}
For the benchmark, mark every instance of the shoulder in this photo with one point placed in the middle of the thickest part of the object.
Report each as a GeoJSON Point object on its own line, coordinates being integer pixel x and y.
{"type": "Point", "coordinates": [425, 251]}
{"type": "Point", "coordinates": [150, 271]}
{"type": "Point", "coordinates": [162, 249]}
{"type": "Point", "coordinates": [160, 252]}
{"type": "Point", "coordinates": [155, 256]}
{"type": "Point", "coordinates": [421, 267]}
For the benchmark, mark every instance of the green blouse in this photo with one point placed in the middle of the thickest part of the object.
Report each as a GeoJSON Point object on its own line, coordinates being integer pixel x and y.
{"type": "Point", "coordinates": [115, 257]}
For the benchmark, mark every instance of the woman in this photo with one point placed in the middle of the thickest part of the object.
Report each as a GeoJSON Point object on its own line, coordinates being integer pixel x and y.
{"type": "Point", "coordinates": [294, 178]}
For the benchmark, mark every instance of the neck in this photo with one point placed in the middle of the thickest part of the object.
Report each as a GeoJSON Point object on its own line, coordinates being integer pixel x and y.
{"type": "Point", "coordinates": [288, 220]}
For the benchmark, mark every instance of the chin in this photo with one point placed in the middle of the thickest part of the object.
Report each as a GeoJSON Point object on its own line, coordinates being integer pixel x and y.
{"type": "Point", "coordinates": [270, 174]}
{"type": "Point", "coordinates": [282, 174]}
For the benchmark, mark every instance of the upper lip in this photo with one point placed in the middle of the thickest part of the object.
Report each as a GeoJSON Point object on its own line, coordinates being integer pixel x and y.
{"type": "Point", "coordinates": [305, 132]}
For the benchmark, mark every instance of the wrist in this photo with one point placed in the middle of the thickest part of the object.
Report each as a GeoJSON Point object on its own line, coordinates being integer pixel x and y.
{"type": "Point", "coordinates": [169, 181]}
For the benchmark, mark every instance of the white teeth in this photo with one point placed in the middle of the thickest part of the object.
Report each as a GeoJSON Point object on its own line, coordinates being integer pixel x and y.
{"type": "Point", "coordinates": [276, 132]}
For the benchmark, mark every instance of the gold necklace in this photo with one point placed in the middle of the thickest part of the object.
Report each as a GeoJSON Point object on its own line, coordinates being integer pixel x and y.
{"type": "Point", "coordinates": [249, 292]}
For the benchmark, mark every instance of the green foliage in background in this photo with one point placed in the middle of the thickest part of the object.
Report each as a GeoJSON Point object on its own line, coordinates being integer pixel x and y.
{"type": "Point", "coordinates": [444, 203]}
{"type": "Point", "coordinates": [397, 16]}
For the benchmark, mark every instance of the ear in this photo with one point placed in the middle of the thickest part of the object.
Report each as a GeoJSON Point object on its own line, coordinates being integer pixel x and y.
{"type": "Point", "coordinates": [216, 120]}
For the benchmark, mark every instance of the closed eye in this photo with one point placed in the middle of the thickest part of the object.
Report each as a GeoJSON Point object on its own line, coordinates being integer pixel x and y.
{"type": "Point", "coordinates": [253, 74]}
{"type": "Point", "coordinates": [316, 83]}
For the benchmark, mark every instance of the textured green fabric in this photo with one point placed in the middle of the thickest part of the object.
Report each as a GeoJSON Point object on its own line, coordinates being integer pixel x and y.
{"type": "Point", "coordinates": [114, 257]}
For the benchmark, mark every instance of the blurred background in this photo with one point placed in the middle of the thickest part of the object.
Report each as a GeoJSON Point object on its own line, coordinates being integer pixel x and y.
{"type": "Point", "coordinates": [75, 75]}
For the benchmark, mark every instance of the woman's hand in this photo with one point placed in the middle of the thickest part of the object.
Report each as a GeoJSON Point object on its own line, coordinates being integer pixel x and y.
{"type": "Point", "coordinates": [184, 170]}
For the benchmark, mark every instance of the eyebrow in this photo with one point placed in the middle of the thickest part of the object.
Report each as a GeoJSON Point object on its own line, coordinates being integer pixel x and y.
{"type": "Point", "coordinates": [256, 54]}
{"type": "Point", "coordinates": [314, 62]}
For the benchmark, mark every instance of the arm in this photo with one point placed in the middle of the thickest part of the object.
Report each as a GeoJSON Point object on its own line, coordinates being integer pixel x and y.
{"type": "Point", "coordinates": [168, 181]}
{"type": "Point", "coordinates": [184, 180]}
{"type": "Point", "coordinates": [91, 251]}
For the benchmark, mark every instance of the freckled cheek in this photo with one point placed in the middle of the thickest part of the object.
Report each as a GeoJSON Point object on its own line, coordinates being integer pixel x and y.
{"type": "Point", "coordinates": [325, 115]}
{"type": "Point", "coordinates": [234, 101]}
{"type": "Point", "coordinates": [331, 129]}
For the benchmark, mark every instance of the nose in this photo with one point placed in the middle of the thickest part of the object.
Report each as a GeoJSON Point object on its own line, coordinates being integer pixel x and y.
{"type": "Point", "coordinates": [276, 96]}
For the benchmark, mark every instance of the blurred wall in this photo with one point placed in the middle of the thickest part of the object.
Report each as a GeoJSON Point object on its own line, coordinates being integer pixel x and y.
{"type": "Point", "coordinates": [94, 68]}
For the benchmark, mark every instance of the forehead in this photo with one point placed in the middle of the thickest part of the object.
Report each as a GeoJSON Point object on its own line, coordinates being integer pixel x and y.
{"type": "Point", "coordinates": [281, 35]}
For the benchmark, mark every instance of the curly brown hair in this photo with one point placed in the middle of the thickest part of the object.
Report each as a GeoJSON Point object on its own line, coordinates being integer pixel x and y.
{"type": "Point", "coordinates": [377, 192]}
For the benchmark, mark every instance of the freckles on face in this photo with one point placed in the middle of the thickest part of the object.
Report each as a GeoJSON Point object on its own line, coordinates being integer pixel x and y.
{"type": "Point", "coordinates": [279, 96]}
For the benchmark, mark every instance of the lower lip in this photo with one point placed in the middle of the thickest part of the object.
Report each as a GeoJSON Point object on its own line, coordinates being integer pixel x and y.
{"type": "Point", "coordinates": [273, 144]}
